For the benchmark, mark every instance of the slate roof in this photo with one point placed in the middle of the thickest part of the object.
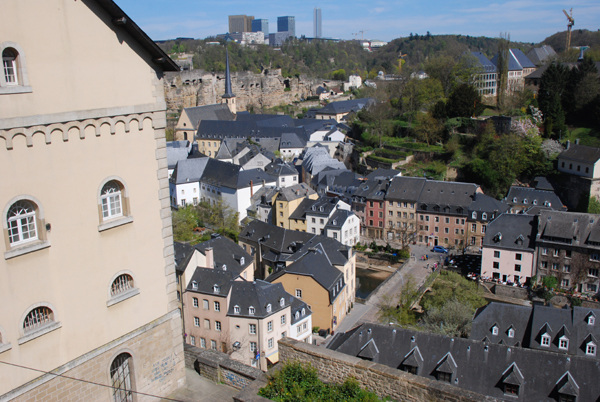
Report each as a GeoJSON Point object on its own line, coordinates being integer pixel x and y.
{"type": "Point", "coordinates": [581, 153]}
{"type": "Point", "coordinates": [280, 168]}
{"type": "Point", "coordinates": [539, 55]}
{"type": "Point", "coordinates": [353, 105]}
{"type": "Point", "coordinates": [209, 112]}
{"type": "Point", "coordinates": [533, 197]}
{"type": "Point", "coordinates": [176, 153]}
{"type": "Point", "coordinates": [254, 176]}
{"type": "Point", "coordinates": [486, 65]}
{"type": "Point", "coordinates": [512, 232]}
{"type": "Point", "coordinates": [227, 255]}
{"type": "Point", "coordinates": [541, 183]}
{"type": "Point", "coordinates": [340, 181]}
{"type": "Point", "coordinates": [407, 189]}
{"type": "Point", "coordinates": [257, 294]}
{"type": "Point", "coordinates": [300, 211]}
{"type": "Point", "coordinates": [371, 190]}
{"type": "Point", "coordinates": [219, 173]}
{"type": "Point", "coordinates": [476, 366]}
{"type": "Point", "coordinates": [299, 190]}
{"type": "Point", "coordinates": [189, 170]}
{"type": "Point", "coordinates": [207, 278]}
{"type": "Point", "coordinates": [315, 264]}
{"type": "Point", "coordinates": [317, 158]}
{"type": "Point", "coordinates": [449, 197]}
{"type": "Point", "coordinates": [383, 174]}
{"type": "Point", "coordinates": [183, 254]}
{"type": "Point", "coordinates": [504, 316]}
{"type": "Point", "coordinates": [323, 206]}
{"type": "Point", "coordinates": [569, 228]}
{"type": "Point", "coordinates": [339, 217]}
{"type": "Point", "coordinates": [292, 140]}
{"type": "Point", "coordinates": [484, 203]}
{"type": "Point", "coordinates": [516, 60]}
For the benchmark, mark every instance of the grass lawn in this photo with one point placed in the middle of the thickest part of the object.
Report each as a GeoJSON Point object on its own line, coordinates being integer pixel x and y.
{"type": "Point", "coordinates": [586, 136]}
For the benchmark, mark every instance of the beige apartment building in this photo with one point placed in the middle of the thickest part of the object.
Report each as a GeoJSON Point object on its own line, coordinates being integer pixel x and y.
{"type": "Point", "coordinates": [87, 280]}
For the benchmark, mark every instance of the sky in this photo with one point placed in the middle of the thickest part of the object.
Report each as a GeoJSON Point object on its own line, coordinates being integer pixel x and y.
{"type": "Point", "coordinates": [525, 20]}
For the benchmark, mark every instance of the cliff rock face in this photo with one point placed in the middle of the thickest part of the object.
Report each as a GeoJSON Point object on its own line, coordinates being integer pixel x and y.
{"type": "Point", "coordinates": [268, 89]}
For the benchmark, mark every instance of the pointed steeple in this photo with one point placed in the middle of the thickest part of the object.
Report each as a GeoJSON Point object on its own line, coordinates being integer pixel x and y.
{"type": "Point", "coordinates": [228, 92]}
{"type": "Point", "coordinates": [228, 97]}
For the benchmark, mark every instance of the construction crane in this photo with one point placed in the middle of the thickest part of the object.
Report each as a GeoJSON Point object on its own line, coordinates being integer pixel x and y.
{"type": "Point", "coordinates": [569, 26]}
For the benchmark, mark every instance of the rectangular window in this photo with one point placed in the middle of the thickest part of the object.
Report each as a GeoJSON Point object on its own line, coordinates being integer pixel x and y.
{"type": "Point", "coordinates": [566, 268]}
{"type": "Point", "coordinates": [205, 304]}
{"type": "Point", "coordinates": [518, 267]}
{"type": "Point", "coordinates": [593, 272]}
{"type": "Point", "coordinates": [544, 251]}
{"type": "Point", "coordinates": [253, 347]}
{"type": "Point", "coordinates": [270, 326]}
{"type": "Point", "coordinates": [567, 253]}
{"type": "Point", "coordinates": [473, 227]}
{"type": "Point", "coordinates": [252, 329]}
{"type": "Point", "coordinates": [496, 265]}
{"type": "Point", "coordinates": [203, 343]}
{"type": "Point", "coordinates": [564, 283]}
{"type": "Point", "coordinates": [555, 266]}
{"type": "Point", "coordinates": [518, 256]}
{"type": "Point", "coordinates": [206, 324]}
{"type": "Point", "coordinates": [196, 321]}
{"type": "Point", "coordinates": [213, 345]}
{"type": "Point", "coordinates": [193, 340]}
{"type": "Point", "coordinates": [299, 293]}
{"type": "Point", "coordinates": [218, 326]}
{"type": "Point", "coordinates": [555, 252]}
{"type": "Point", "coordinates": [270, 343]}
{"type": "Point", "coordinates": [545, 264]}
{"type": "Point", "coordinates": [217, 306]}
{"type": "Point", "coordinates": [195, 300]}
{"type": "Point", "coordinates": [283, 319]}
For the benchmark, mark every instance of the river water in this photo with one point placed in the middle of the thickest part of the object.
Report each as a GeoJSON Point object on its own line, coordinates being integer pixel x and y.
{"type": "Point", "coordinates": [367, 281]}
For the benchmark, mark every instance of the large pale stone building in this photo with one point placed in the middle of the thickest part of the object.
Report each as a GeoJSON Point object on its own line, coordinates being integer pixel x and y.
{"type": "Point", "coordinates": [87, 281]}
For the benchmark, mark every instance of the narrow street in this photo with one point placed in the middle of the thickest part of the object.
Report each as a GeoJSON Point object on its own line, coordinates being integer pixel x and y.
{"type": "Point", "coordinates": [415, 269]}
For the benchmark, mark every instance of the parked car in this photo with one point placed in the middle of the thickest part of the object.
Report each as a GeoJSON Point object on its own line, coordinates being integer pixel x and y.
{"type": "Point", "coordinates": [439, 249]}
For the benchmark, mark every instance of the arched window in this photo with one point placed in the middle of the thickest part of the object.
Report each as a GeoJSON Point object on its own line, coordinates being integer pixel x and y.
{"type": "Point", "coordinates": [120, 375]}
{"type": "Point", "coordinates": [9, 64]}
{"type": "Point", "coordinates": [21, 223]}
{"type": "Point", "coordinates": [111, 200]}
{"type": "Point", "coordinates": [37, 318]}
{"type": "Point", "coordinates": [121, 284]}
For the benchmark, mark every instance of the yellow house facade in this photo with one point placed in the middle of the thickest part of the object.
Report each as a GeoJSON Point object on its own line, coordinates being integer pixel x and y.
{"type": "Point", "coordinates": [87, 280]}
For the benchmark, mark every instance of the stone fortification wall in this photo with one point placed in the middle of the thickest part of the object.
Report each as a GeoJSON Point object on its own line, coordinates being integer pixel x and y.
{"type": "Point", "coordinates": [219, 367]}
{"type": "Point", "coordinates": [267, 89]}
{"type": "Point", "coordinates": [384, 381]}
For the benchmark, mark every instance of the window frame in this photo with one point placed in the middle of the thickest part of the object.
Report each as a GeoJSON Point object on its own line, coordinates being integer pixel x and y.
{"type": "Point", "coordinates": [118, 391]}
{"type": "Point", "coordinates": [112, 221]}
{"type": "Point", "coordinates": [125, 294]}
{"type": "Point", "coordinates": [21, 247]}
{"type": "Point", "coordinates": [42, 329]}
{"type": "Point", "coordinates": [20, 65]}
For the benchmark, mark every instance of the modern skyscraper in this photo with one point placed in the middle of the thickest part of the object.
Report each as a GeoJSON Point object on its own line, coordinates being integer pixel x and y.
{"type": "Point", "coordinates": [287, 24]}
{"type": "Point", "coordinates": [317, 27]}
{"type": "Point", "coordinates": [240, 23]}
{"type": "Point", "coordinates": [260, 25]}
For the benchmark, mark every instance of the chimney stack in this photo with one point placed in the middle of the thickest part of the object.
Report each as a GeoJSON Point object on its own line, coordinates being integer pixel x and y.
{"type": "Point", "coordinates": [209, 258]}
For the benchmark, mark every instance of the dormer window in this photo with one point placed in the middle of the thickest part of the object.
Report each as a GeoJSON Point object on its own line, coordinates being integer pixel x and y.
{"type": "Point", "coordinates": [495, 330]}
{"type": "Point", "coordinates": [515, 199]}
{"type": "Point", "coordinates": [242, 261]}
{"type": "Point", "coordinates": [194, 285]}
{"type": "Point", "coordinates": [590, 349]}
{"type": "Point", "coordinates": [534, 202]}
{"type": "Point", "coordinates": [297, 315]}
{"type": "Point", "coordinates": [484, 216]}
{"type": "Point", "coordinates": [591, 320]}
{"type": "Point", "coordinates": [511, 333]}
{"type": "Point", "coordinates": [548, 203]}
{"type": "Point", "coordinates": [269, 308]}
{"type": "Point", "coordinates": [236, 309]}
{"type": "Point", "coordinates": [525, 201]}
{"type": "Point", "coordinates": [303, 312]}
{"type": "Point", "coordinates": [224, 267]}
{"type": "Point", "coordinates": [474, 215]}
{"type": "Point", "coordinates": [216, 288]}
{"type": "Point", "coordinates": [251, 310]}
{"type": "Point", "coordinates": [545, 340]}
{"type": "Point", "coordinates": [563, 343]}
{"type": "Point", "coordinates": [282, 302]}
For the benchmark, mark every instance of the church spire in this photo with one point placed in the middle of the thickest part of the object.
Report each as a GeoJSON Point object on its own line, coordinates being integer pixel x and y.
{"type": "Point", "coordinates": [228, 92]}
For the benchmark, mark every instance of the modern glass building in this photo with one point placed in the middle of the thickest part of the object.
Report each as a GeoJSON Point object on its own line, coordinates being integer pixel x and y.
{"type": "Point", "coordinates": [260, 25]}
{"type": "Point", "coordinates": [287, 24]}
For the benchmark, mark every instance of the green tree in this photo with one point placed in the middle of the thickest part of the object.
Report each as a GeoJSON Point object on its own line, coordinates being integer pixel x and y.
{"type": "Point", "coordinates": [502, 70]}
{"type": "Point", "coordinates": [453, 319]}
{"type": "Point", "coordinates": [593, 206]}
{"type": "Point", "coordinates": [184, 222]}
{"type": "Point", "coordinates": [464, 101]}
{"type": "Point", "coordinates": [553, 84]}
{"type": "Point", "coordinates": [427, 128]}
{"type": "Point", "coordinates": [220, 217]}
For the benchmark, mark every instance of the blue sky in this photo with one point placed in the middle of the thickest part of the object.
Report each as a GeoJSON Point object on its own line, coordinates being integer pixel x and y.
{"type": "Point", "coordinates": [524, 20]}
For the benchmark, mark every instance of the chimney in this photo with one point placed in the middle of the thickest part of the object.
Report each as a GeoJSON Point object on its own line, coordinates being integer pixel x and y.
{"type": "Point", "coordinates": [251, 189]}
{"type": "Point", "coordinates": [209, 257]}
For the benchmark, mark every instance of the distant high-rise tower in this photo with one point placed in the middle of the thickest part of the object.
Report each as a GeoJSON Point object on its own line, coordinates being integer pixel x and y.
{"type": "Point", "coordinates": [260, 25]}
{"type": "Point", "coordinates": [317, 27]}
{"type": "Point", "coordinates": [287, 24]}
{"type": "Point", "coordinates": [240, 23]}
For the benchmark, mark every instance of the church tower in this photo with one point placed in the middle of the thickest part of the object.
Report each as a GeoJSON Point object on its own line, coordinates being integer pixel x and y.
{"type": "Point", "coordinates": [228, 96]}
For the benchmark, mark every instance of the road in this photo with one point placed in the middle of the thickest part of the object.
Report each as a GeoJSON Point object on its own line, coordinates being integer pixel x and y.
{"type": "Point", "coordinates": [415, 268]}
